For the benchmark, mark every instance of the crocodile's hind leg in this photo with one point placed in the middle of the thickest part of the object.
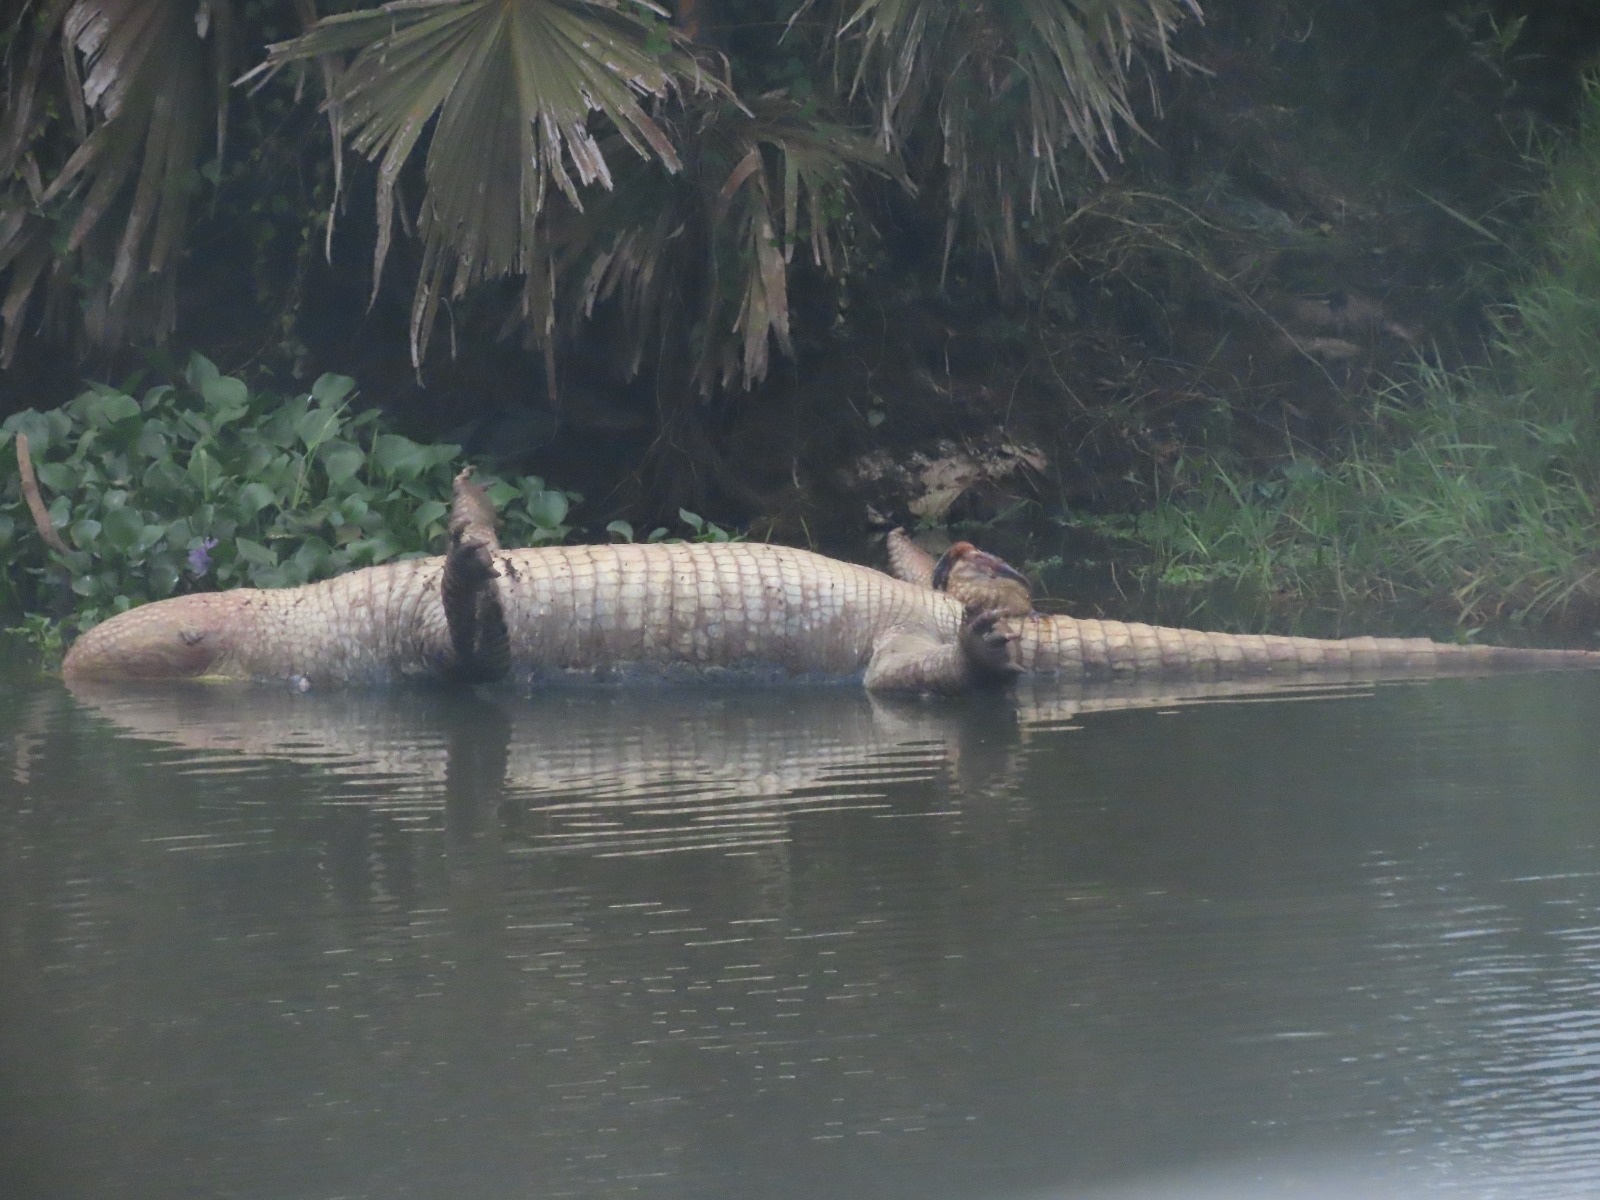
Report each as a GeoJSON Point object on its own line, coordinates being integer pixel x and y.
{"type": "Point", "coordinates": [909, 658]}
{"type": "Point", "coordinates": [472, 608]}
{"type": "Point", "coordinates": [981, 581]}
{"type": "Point", "coordinates": [907, 560]}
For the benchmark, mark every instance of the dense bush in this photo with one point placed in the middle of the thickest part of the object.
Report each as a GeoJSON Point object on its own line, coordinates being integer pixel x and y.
{"type": "Point", "coordinates": [1475, 491]}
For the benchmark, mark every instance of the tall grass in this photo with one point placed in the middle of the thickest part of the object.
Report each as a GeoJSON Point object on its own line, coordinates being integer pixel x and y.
{"type": "Point", "coordinates": [1473, 491]}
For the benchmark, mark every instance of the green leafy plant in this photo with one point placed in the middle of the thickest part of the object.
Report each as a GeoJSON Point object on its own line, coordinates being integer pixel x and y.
{"type": "Point", "coordinates": [497, 135]}
{"type": "Point", "coordinates": [501, 96]}
{"type": "Point", "coordinates": [1473, 492]}
{"type": "Point", "coordinates": [992, 100]}
{"type": "Point", "coordinates": [202, 484]}
{"type": "Point", "coordinates": [703, 531]}
{"type": "Point", "coordinates": [1461, 498]}
{"type": "Point", "coordinates": [43, 634]}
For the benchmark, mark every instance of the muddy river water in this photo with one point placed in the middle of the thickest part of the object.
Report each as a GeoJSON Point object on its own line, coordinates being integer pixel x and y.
{"type": "Point", "coordinates": [769, 942]}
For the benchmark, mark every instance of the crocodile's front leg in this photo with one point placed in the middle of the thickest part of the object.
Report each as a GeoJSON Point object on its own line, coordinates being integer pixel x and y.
{"type": "Point", "coordinates": [472, 607]}
{"type": "Point", "coordinates": [908, 561]}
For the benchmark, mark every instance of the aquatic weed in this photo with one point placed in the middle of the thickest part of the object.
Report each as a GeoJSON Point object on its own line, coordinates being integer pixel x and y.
{"type": "Point", "coordinates": [203, 483]}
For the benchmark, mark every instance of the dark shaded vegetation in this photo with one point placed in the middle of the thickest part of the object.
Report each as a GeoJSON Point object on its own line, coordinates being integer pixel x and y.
{"type": "Point", "coordinates": [1324, 193]}
{"type": "Point", "coordinates": [1471, 493]}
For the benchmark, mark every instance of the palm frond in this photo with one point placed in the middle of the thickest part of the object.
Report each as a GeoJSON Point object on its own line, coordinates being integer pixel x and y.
{"type": "Point", "coordinates": [1000, 90]}
{"type": "Point", "coordinates": [786, 190]}
{"type": "Point", "coordinates": [508, 91]}
{"type": "Point", "coordinates": [700, 261]}
{"type": "Point", "coordinates": [22, 121]}
{"type": "Point", "coordinates": [147, 91]}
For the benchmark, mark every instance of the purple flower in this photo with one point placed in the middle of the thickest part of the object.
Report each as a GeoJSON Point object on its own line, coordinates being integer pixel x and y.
{"type": "Point", "coordinates": [200, 557]}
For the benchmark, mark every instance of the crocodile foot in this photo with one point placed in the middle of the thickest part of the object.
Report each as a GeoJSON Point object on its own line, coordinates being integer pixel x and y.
{"type": "Point", "coordinates": [982, 581]}
{"type": "Point", "coordinates": [478, 634]}
{"type": "Point", "coordinates": [986, 643]}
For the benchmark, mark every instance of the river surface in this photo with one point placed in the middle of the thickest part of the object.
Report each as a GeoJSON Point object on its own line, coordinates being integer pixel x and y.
{"type": "Point", "coordinates": [768, 942]}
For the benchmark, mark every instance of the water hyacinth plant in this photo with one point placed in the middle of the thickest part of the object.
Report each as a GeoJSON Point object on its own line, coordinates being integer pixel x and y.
{"type": "Point", "coordinates": [205, 484]}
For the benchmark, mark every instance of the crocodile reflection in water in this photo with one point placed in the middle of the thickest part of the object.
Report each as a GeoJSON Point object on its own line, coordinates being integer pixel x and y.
{"type": "Point", "coordinates": [629, 770]}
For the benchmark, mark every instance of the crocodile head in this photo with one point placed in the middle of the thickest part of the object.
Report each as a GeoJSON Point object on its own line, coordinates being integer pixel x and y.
{"type": "Point", "coordinates": [186, 637]}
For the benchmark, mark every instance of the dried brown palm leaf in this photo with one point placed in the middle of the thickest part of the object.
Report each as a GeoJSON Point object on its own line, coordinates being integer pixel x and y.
{"type": "Point", "coordinates": [700, 261]}
{"type": "Point", "coordinates": [786, 191]}
{"type": "Point", "coordinates": [22, 119]}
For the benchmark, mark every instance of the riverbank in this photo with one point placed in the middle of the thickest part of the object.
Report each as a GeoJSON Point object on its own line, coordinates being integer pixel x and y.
{"type": "Point", "coordinates": [1468, 494]}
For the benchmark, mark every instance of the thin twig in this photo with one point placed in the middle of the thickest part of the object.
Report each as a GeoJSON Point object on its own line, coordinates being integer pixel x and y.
{"type": "Point", "coordinates": [30, 491]}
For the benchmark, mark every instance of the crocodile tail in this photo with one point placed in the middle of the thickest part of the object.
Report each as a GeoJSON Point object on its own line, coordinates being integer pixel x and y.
{"type": "Point", "coordinates": [1088, 649]}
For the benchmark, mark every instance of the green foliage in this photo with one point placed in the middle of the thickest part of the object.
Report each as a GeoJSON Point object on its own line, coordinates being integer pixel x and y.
{"type": "Point", "coordinates": [1472, 491]}
{"type": "Point", "coordinates": [47, 637]}
{"type": "Point", "coordinates": [518, 123]}
{"type": "Point", "coordinates": [1467, 493]}
{"type": "Point", "coordinates": [703, 531]}
{"type": "Point", "coordinates": [501, 96]}
{"type": "Point", "coordinates": [1442, 508]}
{"type": "Point", "coordinates": [1001, 103]}
{"type": "Point", "coordinates": [204, 484]}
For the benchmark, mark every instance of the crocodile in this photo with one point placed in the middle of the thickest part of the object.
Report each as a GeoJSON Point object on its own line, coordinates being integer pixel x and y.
{"type": "Point", "coordinates": [481, 612]}
{"type": "Point", "coordinates": [687, 610]}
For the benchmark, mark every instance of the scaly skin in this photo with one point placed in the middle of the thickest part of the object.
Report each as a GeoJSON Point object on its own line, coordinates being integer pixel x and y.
{"type": "Point", "coordinates": [726, 606]}
{"type": "Point", "coordinates": [1089, 649]}
{"type": "Point", "coordinates": [376, 625]}
{"type": "Point", "coordinates": [658, 608]}
{"type": "Point", "coordinates": [907, 560]}
{"type": "Point", "coordinates": [699, 609]}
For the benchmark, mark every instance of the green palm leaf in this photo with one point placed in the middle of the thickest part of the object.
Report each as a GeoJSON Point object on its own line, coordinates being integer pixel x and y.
{"type": "Point", "coordinates": [509, 89]}
{"type": "Point", "coordinates": [154, 75]}
{"type": "Point", "coordinates": [989, 94]}
{"type": "Point", "coordinates": [700, 261]}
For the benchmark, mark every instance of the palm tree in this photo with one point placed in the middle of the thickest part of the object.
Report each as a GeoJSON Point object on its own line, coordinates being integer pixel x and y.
{"type": "Point", "coordinates": [583, 148]}
{"type": "Point", "coordinates": [501, 94]}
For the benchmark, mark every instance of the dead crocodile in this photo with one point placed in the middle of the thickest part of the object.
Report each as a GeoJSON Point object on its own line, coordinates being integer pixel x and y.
{"type": "Point", "coordinates": [481, 613]}
{"type": "Point", "coordinates": [686, 610]}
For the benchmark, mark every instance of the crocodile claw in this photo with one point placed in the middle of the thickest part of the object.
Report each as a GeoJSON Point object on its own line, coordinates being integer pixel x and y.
{"type": "Point", "coordinates": [473, 612]}
{"type": "Point", "coordinates": [986, 643]}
